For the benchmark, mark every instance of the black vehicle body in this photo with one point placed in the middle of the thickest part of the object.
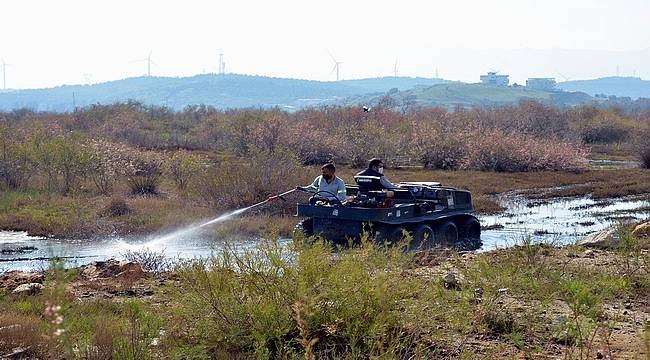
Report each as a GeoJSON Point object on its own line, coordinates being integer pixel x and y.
{"type": "Point", "coordinates": [435, 215]}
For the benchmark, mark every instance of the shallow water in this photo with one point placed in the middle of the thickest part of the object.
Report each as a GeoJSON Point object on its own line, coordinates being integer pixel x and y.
{"type": "Point", "coordinates": [558, 221]}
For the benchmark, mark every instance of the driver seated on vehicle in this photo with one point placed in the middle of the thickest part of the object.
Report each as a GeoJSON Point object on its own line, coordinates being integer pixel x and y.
{"type": "Point", "coordinates": [327, 185]}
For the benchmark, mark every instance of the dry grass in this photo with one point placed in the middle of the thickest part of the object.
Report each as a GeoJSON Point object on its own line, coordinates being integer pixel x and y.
{"type": "Point", "coordinates": [602, 183]}
{"type": "Point", "coordinates": [645, 158]}
{"type": "Point", "coordinates": [104, 334]}
{"type": "Point", "coordinates": [21, 331]}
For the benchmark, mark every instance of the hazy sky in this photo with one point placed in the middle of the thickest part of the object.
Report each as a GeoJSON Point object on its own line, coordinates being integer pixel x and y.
{"type": "Point", "coordinates": [48, 43]}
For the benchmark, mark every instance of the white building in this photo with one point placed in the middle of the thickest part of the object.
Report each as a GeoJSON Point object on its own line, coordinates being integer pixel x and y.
{"type": "Point", "coordinates": [547, 84]}
{"type": "Point", "coordinates": [492, 78]}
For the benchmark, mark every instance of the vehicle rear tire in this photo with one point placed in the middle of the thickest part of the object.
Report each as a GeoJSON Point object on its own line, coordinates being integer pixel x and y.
{"type": "Point", "coordinates": [304, 227]}
{"type": "Point", "coordinates": [470, 229]}
{"type": "Point", "coordinates": [388, 234]}
{"type": "Point", "coordinates": [446, 234]}
{"type": "Point", "coordinates": [470, 234]}
{"type": "Point", "coordinates": [423, 238]}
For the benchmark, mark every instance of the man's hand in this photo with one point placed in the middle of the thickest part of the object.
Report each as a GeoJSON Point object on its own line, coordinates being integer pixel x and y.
{"type": "Point", "coordinates": [300, 188]}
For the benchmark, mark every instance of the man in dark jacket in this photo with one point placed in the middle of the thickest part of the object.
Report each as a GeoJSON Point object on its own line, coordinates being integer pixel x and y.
{"type": "Point", "coordinates": [376, 168]}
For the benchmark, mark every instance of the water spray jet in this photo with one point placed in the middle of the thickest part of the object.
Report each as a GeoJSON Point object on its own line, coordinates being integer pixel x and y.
{"type": "Point", "coordinates": [157, 241]}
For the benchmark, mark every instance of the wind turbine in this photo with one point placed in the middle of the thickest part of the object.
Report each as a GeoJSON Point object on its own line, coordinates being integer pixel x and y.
{"type": "Point", "coordinates": [222, 64]}
{"type": "Point", "coordinates": [4, 74]}
{"type": "Point", "coordinates": [336, 67]}
{"type": "Point", "coordinates": [395, 69]}
{"type": "Point", "coordinates": [149, 62]}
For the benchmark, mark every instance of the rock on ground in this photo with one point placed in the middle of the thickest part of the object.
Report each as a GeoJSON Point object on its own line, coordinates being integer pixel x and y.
{"type": "Point", "coordinates": [642, 230]}
{"type": "Point", "coordinates": [28, 289]}
{"type": "Point", "coordinates": [13, 279]}
{"type": "Point", "coordinates": [607, 238]}
{"type": "Point", "coordinates": [113, 269]}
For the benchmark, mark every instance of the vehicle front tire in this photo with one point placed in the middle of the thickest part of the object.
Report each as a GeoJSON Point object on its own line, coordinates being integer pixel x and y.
{"type": "Point", "coordinates": [304, 227]}
{"type": "Point", "coordinates": [423, 238]}
{"type": "Point", "coordinates": [388, 234]}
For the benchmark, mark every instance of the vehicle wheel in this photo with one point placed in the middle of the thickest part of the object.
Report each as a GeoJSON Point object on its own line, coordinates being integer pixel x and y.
{"type": "Point", "coordinates": [304, 227]}
{"type": "Point", "coordinates": [388, 234]}
{"type": "Point", "coordinates": [470, 229]}
{"type": "Point", "coordinates": [423, 238]}
{"type": "Point", "coordinates": [446, 233]}
{"type": "Point", "coordinates": [470, 234]}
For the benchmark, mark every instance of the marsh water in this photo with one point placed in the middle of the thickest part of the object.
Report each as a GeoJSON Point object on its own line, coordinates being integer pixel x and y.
{"type": "Point", "coordinates": [557, 221]}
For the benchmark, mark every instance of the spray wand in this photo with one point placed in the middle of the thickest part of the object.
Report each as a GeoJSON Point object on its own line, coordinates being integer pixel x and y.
{"type": "Point", "coordinates": [278, 196]}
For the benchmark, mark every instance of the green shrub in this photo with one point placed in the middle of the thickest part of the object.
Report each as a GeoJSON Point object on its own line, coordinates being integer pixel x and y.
{"type": "Point", "coordinates": [277, 302]}
{"type": "Point", "coordinates": [17, 163]}
{"type": "Point", "coordinates": [181, 167]}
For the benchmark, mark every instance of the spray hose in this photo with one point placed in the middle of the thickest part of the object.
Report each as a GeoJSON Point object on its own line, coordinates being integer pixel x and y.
{"type": "Point", "coordinates": [279, 196]}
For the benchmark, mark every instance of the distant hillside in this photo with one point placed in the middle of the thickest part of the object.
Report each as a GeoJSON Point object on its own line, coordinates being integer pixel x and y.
{"type": "Point", "coordinates": [387, 83]}
{"type": "Point", "coordinates": [220, 91]}
{"type": "Point", "coordinates": [633, 87]}
{"type": "Point", "coordinates": [452, 94]}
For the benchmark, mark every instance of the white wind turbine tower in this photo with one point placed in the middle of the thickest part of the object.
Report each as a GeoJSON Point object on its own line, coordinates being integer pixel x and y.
{"type": "Point", "coordinates": [395, 69]}
{"type": "Point", "coordinates": [4, 74]}
{"type": "Point", "coordinates": [336, 67]}
{"type": "Point", "coordinates": [149, 62]}
{"type": "Point", "coordinates": [222, 64]}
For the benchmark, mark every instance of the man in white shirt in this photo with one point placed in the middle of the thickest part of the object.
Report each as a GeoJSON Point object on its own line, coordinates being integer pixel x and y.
{"type": "Point", "coordinates": [327, 185]}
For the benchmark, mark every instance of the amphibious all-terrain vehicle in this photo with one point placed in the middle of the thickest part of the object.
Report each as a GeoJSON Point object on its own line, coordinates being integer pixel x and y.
{"type": "Point", "coordinates": [435, 215]}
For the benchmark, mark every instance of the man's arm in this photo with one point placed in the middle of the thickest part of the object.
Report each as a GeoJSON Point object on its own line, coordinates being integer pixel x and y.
{"type": "Point", "coordinates": [387, 184]}
{"type": "Point", "coordinates": [313, 187]}
{"type": "Point", "coordinates": [341, 193]}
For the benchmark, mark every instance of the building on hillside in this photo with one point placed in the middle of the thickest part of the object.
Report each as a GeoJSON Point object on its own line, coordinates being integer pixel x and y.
{"type": "Point", "coordinates": [492, 78]}
{"type": "Point", "coordinates": [547, 84]}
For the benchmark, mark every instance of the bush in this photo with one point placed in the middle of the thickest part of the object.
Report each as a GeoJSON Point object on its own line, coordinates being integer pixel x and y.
{"type": "Point", "coordinates": [278, 303]}
{"type": "Point", "coordinates": [17, 163]}
{"type": "Point", "coordinates": [436, 149]}
{"type": "Point", "coordinates": [144, 173]}
{"type": "Point", "coordinates": [151, 261]}
{"type": "Point", "coordinates": [496, 150]}
{"type": "Point", "coordinates": [181, 167]}
{"type": "Point", "coordinates": [65, 161]}
{"type": "Point", "coordinates": [242, 182]}
{"type": "Point", "coordinates": [117, 207]}
{"type": "Point", "coordinates": [607, 128]}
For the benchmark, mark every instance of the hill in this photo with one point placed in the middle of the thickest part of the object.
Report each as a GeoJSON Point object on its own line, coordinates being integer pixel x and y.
{"type": "Point", "coordinates": [632, 87]}
{"type": "Point", "coordinates": [387, 83]}
{"type": "Point", "coordinates": [451, 95]}
{"type": "Point", "coordinates": [220, 91]}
